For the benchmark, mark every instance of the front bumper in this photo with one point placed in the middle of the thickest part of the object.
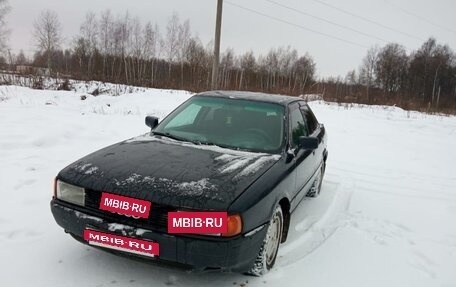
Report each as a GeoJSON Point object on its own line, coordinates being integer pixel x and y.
{"type": "Point", "coordinates": [198, 252]}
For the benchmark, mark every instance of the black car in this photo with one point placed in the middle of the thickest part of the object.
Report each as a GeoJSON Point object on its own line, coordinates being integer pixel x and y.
{"type": "Point", "coordinates": [245, 159]}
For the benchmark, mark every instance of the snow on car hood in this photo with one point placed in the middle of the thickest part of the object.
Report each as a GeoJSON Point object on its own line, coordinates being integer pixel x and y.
{"type": "Point", "coordinates": [170, 172]}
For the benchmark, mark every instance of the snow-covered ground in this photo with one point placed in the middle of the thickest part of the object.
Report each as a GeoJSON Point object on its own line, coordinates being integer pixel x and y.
{"type": "Point", "coordinates": [386, 215]}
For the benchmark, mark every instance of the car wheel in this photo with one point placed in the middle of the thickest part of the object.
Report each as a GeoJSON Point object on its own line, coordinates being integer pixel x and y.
{"type": "Point", "coordinates": [268, 252]}
{"type": "Point", "coordinates": [315, 189]}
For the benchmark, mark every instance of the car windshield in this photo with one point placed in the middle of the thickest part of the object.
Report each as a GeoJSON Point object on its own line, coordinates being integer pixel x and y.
{"type": "Point", "coordinates": [226, 122]}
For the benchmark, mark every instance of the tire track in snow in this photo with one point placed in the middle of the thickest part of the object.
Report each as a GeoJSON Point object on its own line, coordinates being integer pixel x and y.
{"type": "Point", "coordinates": [366, 188]}
{"type": "Point", "coordinates": [309, 229]}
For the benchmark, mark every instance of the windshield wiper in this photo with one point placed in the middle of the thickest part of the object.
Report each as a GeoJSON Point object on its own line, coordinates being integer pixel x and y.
{"type": "Point", "coordinates": [168, 135]}
{"type": "Point", "coordinates": [217, 144]}
{"type": "Point", "coordinates": [196, 142]}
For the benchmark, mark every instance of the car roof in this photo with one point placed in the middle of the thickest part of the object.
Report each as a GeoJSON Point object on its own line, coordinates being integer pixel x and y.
{"type": "Point", "coordinates": [251, 96]}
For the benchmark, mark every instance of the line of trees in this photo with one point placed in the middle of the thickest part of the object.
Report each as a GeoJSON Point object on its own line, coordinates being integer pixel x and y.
{"type": "Point", "coordinates": [426, 77]}
{"type": "Point", "coordinates": [423, 80]}
{"type": "Point", "coordinates": [122, 49]}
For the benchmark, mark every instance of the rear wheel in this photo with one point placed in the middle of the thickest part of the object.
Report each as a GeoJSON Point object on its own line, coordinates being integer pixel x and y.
{"type": "Point", "coordinates": [268, 252]}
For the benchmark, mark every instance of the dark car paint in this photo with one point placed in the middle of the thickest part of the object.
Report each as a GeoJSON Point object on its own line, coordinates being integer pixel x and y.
{"type": "Point", "coordinates": [253, 197]}
{"type": "Point", "coordinates": [280, 182]}
{"type": "Point", "coordinates": [127, 169]}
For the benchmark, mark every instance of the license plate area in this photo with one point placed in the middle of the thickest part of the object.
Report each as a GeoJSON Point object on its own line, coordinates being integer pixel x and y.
{"type": "Point", "coordinates": [127, 206]}
{"type": "Point", "coordinates": [122, 243]}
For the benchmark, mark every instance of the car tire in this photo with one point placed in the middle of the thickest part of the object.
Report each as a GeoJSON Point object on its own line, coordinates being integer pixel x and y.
{"type": "Point", "coordinates": [268, 252]}
{"type": "Point", "coordinates": [315, 189]}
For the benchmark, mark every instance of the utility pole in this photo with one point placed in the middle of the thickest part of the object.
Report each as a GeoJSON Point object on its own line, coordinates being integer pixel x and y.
{"type": "Point", "coordinates": [218, 26]}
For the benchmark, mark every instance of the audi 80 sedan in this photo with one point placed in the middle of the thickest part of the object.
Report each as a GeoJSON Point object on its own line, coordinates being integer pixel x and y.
{"type": "Point", "coordinates": [211, 186]}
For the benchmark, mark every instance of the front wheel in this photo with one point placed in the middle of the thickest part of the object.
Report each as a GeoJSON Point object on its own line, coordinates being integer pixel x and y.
{"type": "Point", "coordinates": [268, 252]}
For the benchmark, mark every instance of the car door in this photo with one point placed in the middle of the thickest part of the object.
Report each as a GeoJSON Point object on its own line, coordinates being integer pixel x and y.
{"type": "Point", "coordinates": [304, 160]}
{"type": "Point", "coordinates": [315, 130]}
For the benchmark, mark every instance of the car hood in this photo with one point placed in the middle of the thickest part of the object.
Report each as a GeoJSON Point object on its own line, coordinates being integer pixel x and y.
{"type": "Point", "coordinates": [170, 172]}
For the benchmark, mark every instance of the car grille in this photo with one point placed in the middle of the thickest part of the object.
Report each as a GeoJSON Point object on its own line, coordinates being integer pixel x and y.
{"type": "Point", "coordinates": [158, 217]}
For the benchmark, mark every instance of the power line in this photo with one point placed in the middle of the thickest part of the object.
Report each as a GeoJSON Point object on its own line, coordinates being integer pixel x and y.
{"type": "Point", "coordinates": [419, 17]}
{"type": "Point", "coordinates": [295, 25]}
{"type": "Point", "coordinates": [369, 20]}
{"type": "Point", "coordinates": [327, 21]}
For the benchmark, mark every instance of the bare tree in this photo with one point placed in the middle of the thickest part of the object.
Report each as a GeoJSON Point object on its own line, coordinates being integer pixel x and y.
{"type": "Point", "coordinates": [137, 48]}
{"type": "Point", "coordinates": [105, 38]}
{"type": "Point", "coordinates": [152, 40]}
{"type": "Point", "coordinates": [248, 67]}
{"type": "Point", "coordinates": [430, 70]}
{"type": "Point", "coordinates": [198, 60]}
{"type": "Point", "coordinates": [21, 59]}
{"type": "Point", "coordinates": [116, 37]}
{"type": "Point", "coordinates": [272, 66]}
{"type": "Point", "coordinates": [392, 67]}
{"type": "Point", "coordinates": [47, 33]}
{"type": "Point", "coordinates": [305, 72]}
{"type": "Point", "coordinates": [89, 34]}
{"type": "Point", "coordinates": [367, 70]}
{"type": "Point", "coordinates": [350, 78]}
{"type": "Point", "coordinates": [183, 38]}
{"type": "Point", "coordinates": [122, 43]}
{"type": "Point", "coordinates": [171, 43]}
{"type": "Point", "coordinates": [4, 32]}
{"type": "Point", "coordinates": [227, 64]}
{"type": "Point", "coordinates": [287, 58]}
{"type": "Point", "coordinates": [80, 51]}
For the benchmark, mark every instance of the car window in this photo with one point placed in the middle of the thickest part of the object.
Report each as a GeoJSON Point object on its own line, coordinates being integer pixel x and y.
{"type": "Point", "coordinates": [298, 126]}
{"type": "Point", "coordinates": [232, 123]}
{"type": "Point", "coordinates": [186, 117]}
{"type": "Point", "coordinates": [311, 120]}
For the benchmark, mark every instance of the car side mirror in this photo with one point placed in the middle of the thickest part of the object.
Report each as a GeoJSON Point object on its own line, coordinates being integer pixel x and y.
{"type": "Point", "coordinates": [151, 122]}
{"type": "Point", "coordinates": [308, 143]}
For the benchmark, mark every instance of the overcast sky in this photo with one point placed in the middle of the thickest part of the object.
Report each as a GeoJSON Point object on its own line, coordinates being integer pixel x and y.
{"type": "Point", "coordinates": [245, 30]}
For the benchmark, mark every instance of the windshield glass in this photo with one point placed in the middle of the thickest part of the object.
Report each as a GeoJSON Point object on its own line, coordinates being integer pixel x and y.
{"type": "Point", "coordinates": [226, 122]}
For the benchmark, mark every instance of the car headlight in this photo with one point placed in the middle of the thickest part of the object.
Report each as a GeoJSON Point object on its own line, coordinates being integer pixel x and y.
{"type": "Point", "coordinates": [70, 193]}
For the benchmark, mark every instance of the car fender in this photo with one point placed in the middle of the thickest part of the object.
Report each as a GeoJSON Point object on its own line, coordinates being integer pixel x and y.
{"type": "Point", "coordinates": [257, 203]}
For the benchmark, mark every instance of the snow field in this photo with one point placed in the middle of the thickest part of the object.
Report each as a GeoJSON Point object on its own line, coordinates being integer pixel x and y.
{"type": "Point", "coordinates": [386, 215]}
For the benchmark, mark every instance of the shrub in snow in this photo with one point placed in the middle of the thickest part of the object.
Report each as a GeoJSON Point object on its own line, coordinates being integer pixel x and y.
{"type": "Point", "coordinates": [64, 86]}
{"type": "Point", "coordinates": [38, 83]}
